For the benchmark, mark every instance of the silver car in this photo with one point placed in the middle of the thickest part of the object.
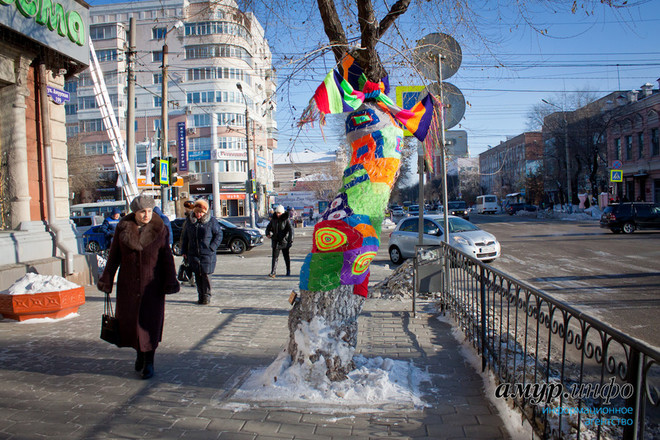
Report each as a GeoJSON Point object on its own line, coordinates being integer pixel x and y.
{"type": "Point", "coordinates": [463, 235]}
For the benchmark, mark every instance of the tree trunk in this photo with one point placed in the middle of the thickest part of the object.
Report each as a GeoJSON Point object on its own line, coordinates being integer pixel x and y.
{"type": "Point", "coordinates": [323, 325]}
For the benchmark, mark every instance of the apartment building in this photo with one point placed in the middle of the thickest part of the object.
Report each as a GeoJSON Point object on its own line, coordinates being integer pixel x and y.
{"type": "Point", "coordinates": [633, 144]}
{"type": "Point", "coordinates": [213, 48]}
{"type": "Point", "coordinates": [505, 167]}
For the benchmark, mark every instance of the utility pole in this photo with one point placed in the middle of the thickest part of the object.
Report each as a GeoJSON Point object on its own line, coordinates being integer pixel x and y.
{"type": "Point", "coordinates": [164, 125]}
{"type": "Point", "coordinates": [248, 183]}
{"type": "Point", "coordinates": [130, 108]}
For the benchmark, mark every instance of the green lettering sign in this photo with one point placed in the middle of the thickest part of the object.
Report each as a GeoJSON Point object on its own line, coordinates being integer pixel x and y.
{"type": "Point", "coordinates": [46, 13]}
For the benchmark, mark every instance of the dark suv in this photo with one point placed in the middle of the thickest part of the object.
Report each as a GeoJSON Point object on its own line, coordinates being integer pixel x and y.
{"type": "Point", "coordinates": [458, 208]}
{"type": "Point", "coordinates": [628, 217]}
{"type": "Point", "coordinates": [515, 207]}
{"type": "Point", "coordinates": [234, 238]}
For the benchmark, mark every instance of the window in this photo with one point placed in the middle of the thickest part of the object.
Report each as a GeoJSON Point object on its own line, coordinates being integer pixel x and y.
{"type": "Point", "coordinates": [217, 27]}
{"type": "Point", "coordinates": [203, 120]}
{"type": "Point", "coordinates": [640, 145]}
{"type": "Point", "coordinates": [218, 51]}
{"type": "Point", "coordinates": [431, 228]}
{"type": "Point", "coordinates": [91, 125]}
{"type": "Point", "coordinates": [655, 142]}
{"type": "Point", "coordinates": [102, 32]}
{"type": "Point", "coordinates": [617, 149]}
{"type": "Point", "coordinates": [71, 86]}
{"type": "Point", "coordinates": [157, 125]}
{"type": "Point", "coordinates": [628, 147]}
{"type": "Point", "coordinates": [158, 78]}
{"type": "Point", "coordinates": [70, 109]}
{"type": "Point", "coordinates": [157, 56]}
{"type": "Point", "coordinates": [200, 166]}
{"type": "Point", "coordinates": [158, 101]}
{"type": "Point", "coordinates": [410, 226]}
{"type": "Point", "coordinates": [72, 130]}
{"type": "Point", "coordinates": [158, 33]}
{"type": "Point", "coordinates": [96, 148]}
{"type": "Point", "coordinates": [106, 55]}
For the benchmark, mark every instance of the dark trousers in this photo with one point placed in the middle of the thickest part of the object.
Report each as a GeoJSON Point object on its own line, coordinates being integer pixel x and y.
{"type": "Point", "coordinates": [276, 255]}
{"type": "Point", "coordinates": [203, 284]}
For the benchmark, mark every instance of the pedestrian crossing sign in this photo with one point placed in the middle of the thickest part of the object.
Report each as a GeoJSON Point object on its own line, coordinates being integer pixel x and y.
{"type": "Point", "coordinates": [616, 176]}
{"type": "Point", "coordinates": [164, 172]}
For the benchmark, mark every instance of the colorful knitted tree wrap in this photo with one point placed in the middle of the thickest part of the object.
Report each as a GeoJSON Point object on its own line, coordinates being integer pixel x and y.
{"type": "Point", "coordinates": [347, 238]}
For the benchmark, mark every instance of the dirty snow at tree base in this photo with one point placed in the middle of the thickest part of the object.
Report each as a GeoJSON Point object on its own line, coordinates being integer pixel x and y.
{"type": "Point", "coordinates": [376, 383]}
{"type": "Point", "coordinates": [34, 283]}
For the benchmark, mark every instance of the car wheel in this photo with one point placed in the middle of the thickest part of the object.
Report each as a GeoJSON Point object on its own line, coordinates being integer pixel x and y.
{"type": "Point", "coordinates": [628, 228]}
{"type": "Point", "coordinates": [93, 247]}
{"type": "Point", "coordinates": [176, 249]}
{"type": "Point", "coordinates": [395, 255]}
{"type": "Point", "coordinates": [237, 246]}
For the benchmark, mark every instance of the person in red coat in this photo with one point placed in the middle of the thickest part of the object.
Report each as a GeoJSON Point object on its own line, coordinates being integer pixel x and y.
{"type": "Point", "coordinates": [140, 250]}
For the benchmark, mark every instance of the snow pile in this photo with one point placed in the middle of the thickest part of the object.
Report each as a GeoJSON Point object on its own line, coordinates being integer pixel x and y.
{"type": "Point", "coordinates": [34, 283]}
{"type": "Point", "coordinates": [387, 223]}
{"type": "Point", "coordinates": [373, 385]}
{"type": "Point", "coordinates": [523, 213]}
{"type": "Point", "coordinates": [589, 214]}
{"type": "Point", "coordinates": [397, 285]}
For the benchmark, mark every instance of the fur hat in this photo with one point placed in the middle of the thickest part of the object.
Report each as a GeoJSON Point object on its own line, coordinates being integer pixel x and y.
{"type": "Point", "coordinates": [142, 202]}
{"type": "Point", "coordinates": [201, 205]}
{"type": "Point", "coordinates": [279, 209]}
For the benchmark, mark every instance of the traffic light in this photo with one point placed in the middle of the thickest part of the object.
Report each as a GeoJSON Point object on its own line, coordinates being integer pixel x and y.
{"type": "Point", "coordinates": [172, 169]}
{"type": "Point", "coordinates": [155, 170]}
{"type": "Point", "coordinates": [253, 186]}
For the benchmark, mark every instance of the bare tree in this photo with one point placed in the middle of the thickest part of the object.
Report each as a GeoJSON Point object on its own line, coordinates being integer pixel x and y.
{"type": "Point", "coordinates": [84, 171]}
{"type": "Point", "coordinates": [355, 29]}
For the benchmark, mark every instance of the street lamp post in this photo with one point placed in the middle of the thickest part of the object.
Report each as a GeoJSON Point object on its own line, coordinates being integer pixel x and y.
{"type": "Point", "coordinates": [569, 186]}
{"type": "Point", "coordinates": [248, 194]}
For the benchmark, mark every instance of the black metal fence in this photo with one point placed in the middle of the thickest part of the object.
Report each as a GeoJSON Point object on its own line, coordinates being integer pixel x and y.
{"type": "Point", "coordinates": [571, 375]}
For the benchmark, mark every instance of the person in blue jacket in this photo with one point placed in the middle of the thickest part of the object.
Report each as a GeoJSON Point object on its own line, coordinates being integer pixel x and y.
{"type": "Point", "coordinates": [167, 222]}
{"type": "Point", "coordinates": [200, 240]}
{"type": "Point", "coordinates": [108, 226]}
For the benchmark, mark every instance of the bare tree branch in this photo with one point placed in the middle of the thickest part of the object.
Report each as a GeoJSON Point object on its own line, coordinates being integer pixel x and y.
{"type": "Point", "coordinates": [398, 8]}
{"type": "Point", "coordinates": [333, 28]}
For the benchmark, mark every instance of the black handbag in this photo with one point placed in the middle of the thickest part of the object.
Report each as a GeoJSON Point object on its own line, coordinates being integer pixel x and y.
{"type": "Point", "coordinates": [109, 323]}
{"type": "Point", "coordinates": [184, 273]}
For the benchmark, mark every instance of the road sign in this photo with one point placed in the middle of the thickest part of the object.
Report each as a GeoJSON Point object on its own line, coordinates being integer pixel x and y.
{"type": "Point", "coordinates": [617, 165]}
{"type": "Point", "coordinates": [164, 172]}
{"type": "Point", "coordinates": [616, 176]}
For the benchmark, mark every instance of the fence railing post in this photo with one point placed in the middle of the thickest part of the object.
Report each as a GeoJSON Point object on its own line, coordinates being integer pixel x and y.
{"type": "Point", "coordinates": [630, 432]}
{"type": "Point", "coordinates": [482, 282]}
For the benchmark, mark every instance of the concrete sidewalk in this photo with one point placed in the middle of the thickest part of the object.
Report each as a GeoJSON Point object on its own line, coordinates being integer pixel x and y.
{"type": "Point", "coordinates": [59, 380]}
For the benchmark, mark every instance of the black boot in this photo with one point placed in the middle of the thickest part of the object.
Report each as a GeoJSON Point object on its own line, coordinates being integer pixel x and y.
{"type": "Point", "coordinates": [148, 370]}
{"type": "Point", "coordinates": [139, 362]}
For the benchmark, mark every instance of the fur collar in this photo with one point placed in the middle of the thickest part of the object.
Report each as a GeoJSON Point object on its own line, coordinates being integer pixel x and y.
{"type": "Point", "coordinates": [129, 234]}
{"type": "Point", "coordinates": [205, 218]}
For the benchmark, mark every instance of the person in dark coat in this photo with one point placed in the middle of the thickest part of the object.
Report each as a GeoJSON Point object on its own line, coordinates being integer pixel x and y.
{"type": "Point", "coordinates": [188, 206]}
{"type": "Point", "coordinates": [200, 239]}
{"type": "Point", "coordinates": [280, 231]}
{"type": "Point", "coordinates": [146, 273]}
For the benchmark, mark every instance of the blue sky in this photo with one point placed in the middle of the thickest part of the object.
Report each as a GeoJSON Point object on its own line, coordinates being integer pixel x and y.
{"type": "Point", "coordinates": [506, 70]}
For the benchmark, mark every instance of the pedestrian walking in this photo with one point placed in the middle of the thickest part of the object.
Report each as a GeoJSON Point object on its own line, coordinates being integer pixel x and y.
{"type": "Point", "coordinates": [109, 224]}
{"type": "Point", "coordinates": [188, 206]}
{"type": "Point", "coordinates": [280, 231]}
{"type": "Point", "coordinates": [146, 274]}
{"type": "Point", "coordinates": [200, 239]}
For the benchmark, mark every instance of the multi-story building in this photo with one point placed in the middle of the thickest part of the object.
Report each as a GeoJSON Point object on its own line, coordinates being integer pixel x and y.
{"type": "Point", "coordinates": [633, 144]}
{"type": "Point", "coordinates": [309, 171]}
{"type": "Point", "coordinates": [504, 168]}
{"type": "Point", "coordinates": [219, 69]}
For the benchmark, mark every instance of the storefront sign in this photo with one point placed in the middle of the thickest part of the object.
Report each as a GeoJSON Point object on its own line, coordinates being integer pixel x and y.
{"type": "Point", "coordinates": [201, 189]}
{"type": "Point", "coordinates": [58, 96]}
{"type": "Point", "coordinates": [181, 145]}
{"type": "Point", "coordinates": [60, 26]}
{"type": "Point", "coordinates": [199, 155]}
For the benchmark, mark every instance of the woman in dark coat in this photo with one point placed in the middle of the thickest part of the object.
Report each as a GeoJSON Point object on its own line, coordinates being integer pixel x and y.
{"type": "Point", "coordinates": [141, 252]}
{"type": "Point", "coordinates": [281, 233]}
{"type": "Point", "coordinates": [200, 238]}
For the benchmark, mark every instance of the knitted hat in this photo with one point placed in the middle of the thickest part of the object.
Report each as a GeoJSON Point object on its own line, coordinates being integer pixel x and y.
{"type": "Point", "coordinates": [115, 211]}
{"type": "Point", "coordinates": [142, 202]}
{"type": "Point", "coordinates": [201, 205]}
{"type": "Point", "coordinates": [279, 209]}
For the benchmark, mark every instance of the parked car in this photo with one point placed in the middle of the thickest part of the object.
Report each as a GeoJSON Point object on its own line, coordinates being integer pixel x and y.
{"type": "Point", "coordinates": [628, 217]}
{"type": "Point", "coordinates": [234, 238]}
{"type": "Point", "coordinates": [396, 213]}
{"type": "Point", "coordinates": [84, 222]}
{"type": "Point", "coordinates": [94, 240]}
{"type": "Point", "coordinates": [413, 210]}
{"type": "Point", "coordinates": [458, 208]}
{"type": "Point", "coordinates": [515, 207]}
{"type": "Point", "coordinates": [463, 235]}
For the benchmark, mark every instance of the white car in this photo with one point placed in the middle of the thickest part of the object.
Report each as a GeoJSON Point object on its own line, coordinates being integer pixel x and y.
{"type": "Point", "coordinates": [463, 235]}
